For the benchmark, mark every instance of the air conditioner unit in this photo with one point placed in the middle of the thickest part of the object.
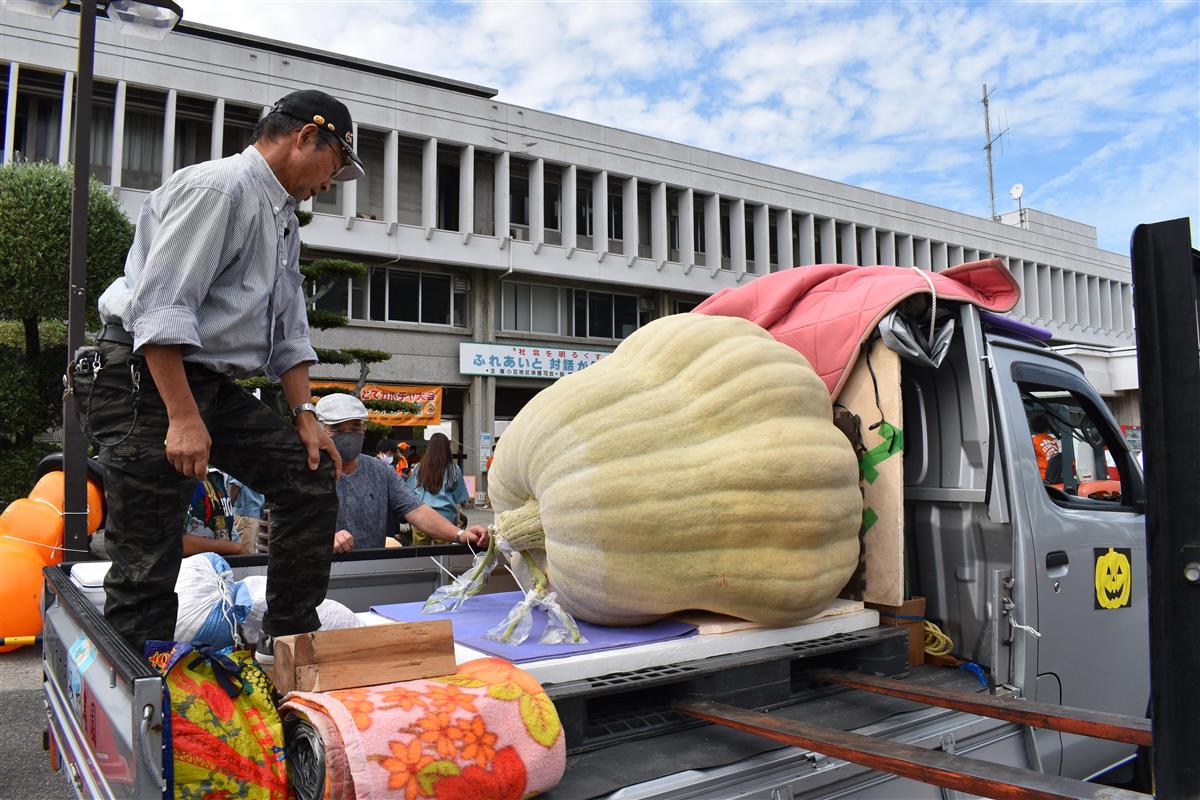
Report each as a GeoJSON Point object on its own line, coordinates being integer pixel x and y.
{"type": "Point", "coordinates": [646, 303]}
{"type": "Point", "coordinates": [461, 284]}
{"type": "Point", "coordinates": [519, 234]}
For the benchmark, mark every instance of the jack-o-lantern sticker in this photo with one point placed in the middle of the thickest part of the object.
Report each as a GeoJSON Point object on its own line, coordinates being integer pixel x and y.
{"type": "Point", "coordinates": [1114, 577]}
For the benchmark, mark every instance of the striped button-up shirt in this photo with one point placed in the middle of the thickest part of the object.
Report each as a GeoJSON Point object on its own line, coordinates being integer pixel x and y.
{"type": "Point", "coordinates": [214, 269]}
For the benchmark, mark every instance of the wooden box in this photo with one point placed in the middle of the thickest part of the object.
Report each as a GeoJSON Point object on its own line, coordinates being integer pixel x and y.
{"type": "Point", "coordinates": [909, 615]}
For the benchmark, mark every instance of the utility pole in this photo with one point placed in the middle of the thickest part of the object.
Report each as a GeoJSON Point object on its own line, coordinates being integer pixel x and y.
{"type": "Point", "coordinates": [988, 142]}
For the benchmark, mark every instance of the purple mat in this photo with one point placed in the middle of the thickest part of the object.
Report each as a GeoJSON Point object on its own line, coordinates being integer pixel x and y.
{"type": "Point", "coordinates": [485, 611]}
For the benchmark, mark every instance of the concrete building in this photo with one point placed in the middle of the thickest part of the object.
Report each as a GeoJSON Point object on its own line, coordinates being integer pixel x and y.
{"type": "Point", "coordinates": [528, 233]}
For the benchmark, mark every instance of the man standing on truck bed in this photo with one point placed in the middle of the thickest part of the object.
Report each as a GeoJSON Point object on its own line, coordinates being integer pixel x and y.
{"type": "Point", "coordinates": [212, 292]}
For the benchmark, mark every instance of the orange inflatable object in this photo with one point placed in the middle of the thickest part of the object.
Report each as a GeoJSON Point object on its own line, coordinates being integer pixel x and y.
{"type": "Point", "coordinates": [35, 524]}
{"type": "Point", "coordinates": [20, 590]}
{"type": "Point", "coordinates": [50, 489]}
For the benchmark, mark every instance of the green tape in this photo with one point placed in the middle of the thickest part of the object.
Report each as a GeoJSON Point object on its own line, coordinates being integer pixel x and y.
{"type": "Point", "coordinates": [893, 442]}
{"type": "Point", "coordinates": [869, 519]}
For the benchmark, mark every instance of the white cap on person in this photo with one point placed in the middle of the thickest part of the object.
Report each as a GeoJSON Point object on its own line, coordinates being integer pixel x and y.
{"type": "Point", "coordinates": [335, 408]}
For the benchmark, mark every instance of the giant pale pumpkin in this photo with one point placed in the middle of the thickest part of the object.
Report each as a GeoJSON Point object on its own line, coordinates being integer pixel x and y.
{"type": "Point", "coordinates": [697, 467]}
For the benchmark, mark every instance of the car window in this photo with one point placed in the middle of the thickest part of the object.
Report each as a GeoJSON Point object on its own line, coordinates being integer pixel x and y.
{"type": "Point", "coordinates": [1072, 446]}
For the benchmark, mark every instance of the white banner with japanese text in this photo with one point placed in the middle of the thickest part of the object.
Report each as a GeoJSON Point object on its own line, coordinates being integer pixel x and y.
{"type": "Point", "coordinates": [523, 360]}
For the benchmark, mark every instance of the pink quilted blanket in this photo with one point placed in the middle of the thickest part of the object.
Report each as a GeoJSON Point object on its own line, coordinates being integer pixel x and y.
{"type": "Point", "coordinates": [488, 731]}
{"type": "Point", "coordinates": [827, 311]}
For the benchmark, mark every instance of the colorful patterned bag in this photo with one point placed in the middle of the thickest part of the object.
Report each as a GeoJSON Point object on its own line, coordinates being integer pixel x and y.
{"type": "Point", "coordinates": [223, 737]}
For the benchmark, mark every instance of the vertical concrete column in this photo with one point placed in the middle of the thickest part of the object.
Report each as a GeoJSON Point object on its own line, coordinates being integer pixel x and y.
{"type": "Point", "coordinates": [904, 250]}
{"type": "Point", "coordinates": [466, 191]}
{"type": "Point", "coordinates": [737, 236]}
{"type": "Point", "coordinates": [887, 248]}
{"type": "Point", "coordinates": [658, 224]}
{"type": "Point", "coordinates": [1057, 291]}
{"type": "Point", "coordinates": [10, 111]}
{"type": "Point", "coordinates": [1082, 300]}
{"type": "Point", "coordinates": [1070, 300]}
{"type": "Point", "coordinates": [64, 124]}
{"type": "Point", "coordinates": [687, 228]}
{"type": "Point", "coordinates": [501, 196]}
{"type": "Point", "coordinates": [828, 241]}
{"type": "Point", "coordinates": [631, 236]}
{"type": "Point", "coordinates": [1127, 306]}
{"type": "Point", "coordinates": [712, 232]}
{"type": "Point", "coordinates": [1033, 305]}
{"type": "Point", "coordinates": [783, 237]}
{"type": "Point", "coordinates": [118, 139]}
{"type": "Point", "coordinates": [391, 180]}
{"type": "Point", "coordinates": [569, 210]}
{"type": "Point", "coordinates": [537, 203]}
{"type": "Point", "coordinates": [429, 186]}
{"type": "Point", "coordinates": [849, 238]}
{"type": "Point", "coordinates": [168, 145]}
{"type": "Point", "coordinates": [217, 140]}
{"type": "Point", "coordinates": [938, 256]}
{"type": "Point", "coordinates": [924, 254]}
{"type": "Point", "coordinates": [600, 213]}
{"type": "Point", "coordinates": [866, 243]}
{"type": "Point", "coordinates": [762, 239]}
{"type": "Point", "coordinates": [808, 240]}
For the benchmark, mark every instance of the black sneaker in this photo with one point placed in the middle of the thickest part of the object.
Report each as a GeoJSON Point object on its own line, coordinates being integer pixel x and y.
{"type": "Point", "coordinates": [264, 651]}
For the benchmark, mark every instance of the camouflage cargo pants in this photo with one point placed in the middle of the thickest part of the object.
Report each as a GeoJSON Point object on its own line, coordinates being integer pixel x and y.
{"type": "Point", "coordinates": [147, 498]}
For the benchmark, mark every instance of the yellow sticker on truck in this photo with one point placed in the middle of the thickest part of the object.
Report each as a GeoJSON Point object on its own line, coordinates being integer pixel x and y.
{"type": "Point", "coordinates": [1114, 577]}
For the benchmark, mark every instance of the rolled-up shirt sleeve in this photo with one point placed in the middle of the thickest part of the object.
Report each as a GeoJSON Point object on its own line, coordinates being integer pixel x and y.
{"type": "Point", "coordinates": [181, 264]}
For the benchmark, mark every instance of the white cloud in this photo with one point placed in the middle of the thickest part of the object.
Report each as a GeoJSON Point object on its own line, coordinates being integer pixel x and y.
{"type": "Point", "coordinates": [1100, 98]}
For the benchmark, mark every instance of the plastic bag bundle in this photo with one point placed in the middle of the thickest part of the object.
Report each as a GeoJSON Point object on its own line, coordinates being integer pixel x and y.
{"type": "Point", "coordinates": [449, 597]}
{"type": "Point", "coordinates": [210, 604]}
{"type": "Point", "coordinates": [305, 759]}
{"type": "Point", "coordinates": [515, 627]}
{"type": "Point", "coordinates": [333, 614]}
{"type": "Point", "coordinates": [560, 627]}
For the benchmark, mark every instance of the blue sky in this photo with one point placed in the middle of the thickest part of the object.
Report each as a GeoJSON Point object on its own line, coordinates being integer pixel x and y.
{"type": "Point", "coordinates": [1102, 99]}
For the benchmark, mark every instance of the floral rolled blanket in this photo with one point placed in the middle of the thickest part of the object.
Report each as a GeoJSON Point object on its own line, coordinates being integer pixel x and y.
{"type": "Point", "coordinates": [487, 731]}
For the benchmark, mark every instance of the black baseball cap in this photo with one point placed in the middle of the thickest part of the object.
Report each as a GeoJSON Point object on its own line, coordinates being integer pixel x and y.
{"type": "Point", "coordinates": [331, 116]}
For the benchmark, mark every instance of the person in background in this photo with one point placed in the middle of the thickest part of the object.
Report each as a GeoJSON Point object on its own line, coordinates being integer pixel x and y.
{"type": "Point", "coordinates": [439, 483]}
{"type": "Point", "coordinates": [247, 513]}
{"type": "Point", "coordinates": [385, 451]}
{"type": "Point", "coordinates": [208, 523]}
{"type": "Point", "coordinates": [372, 499]}
{"type": "Point", "coordinates": [402, 466]}
{"type": "Point", "coordinates": [1046, 446]}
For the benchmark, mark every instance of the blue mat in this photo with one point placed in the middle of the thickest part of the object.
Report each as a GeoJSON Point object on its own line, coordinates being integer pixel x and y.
{"type": "Point", "coordinates": [483, 612]}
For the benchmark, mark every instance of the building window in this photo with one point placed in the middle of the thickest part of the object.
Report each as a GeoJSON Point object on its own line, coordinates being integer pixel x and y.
{"type": "Point", "coordinates": [193, 131]}
{"type": "Point", "coordinates": [397, 295]}
{"type": "Point", "coordinates": [559, 311]}
{"type": "Point", "coordinates": [583, 215]}
{"type": "Point", "coordinates": [616, 217]}
{"type": "Point", "coordinates": [240, 122]}
{"type": "Point", "coordinates": [518, 200]}
{"type": "Point", "coordinates": [369, 188]}
{"type": "Point", "coordinates": [38, 115]}
{"type": "Point", "coordinates": [698, 227]}
{"type": "Point", "coordinates": [142, 148]}
{"type": "Point", "coordinates": [447, 197]}
{"type": "Point", "coordinates": [552, 204]}
{"type": "Point", "coordinates": [684, 306]}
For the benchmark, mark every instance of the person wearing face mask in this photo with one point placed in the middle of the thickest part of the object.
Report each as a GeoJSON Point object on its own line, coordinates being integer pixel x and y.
{"type": "Point", "coordinates": [385, 451]}
{"type": "Point", "coordinates": [211, 293]}
{"type": "Point", "coordinates": [372, 498]}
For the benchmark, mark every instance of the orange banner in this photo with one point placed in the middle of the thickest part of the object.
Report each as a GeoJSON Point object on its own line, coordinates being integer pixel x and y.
{"type": "Point", "coordinates": [377, 396]}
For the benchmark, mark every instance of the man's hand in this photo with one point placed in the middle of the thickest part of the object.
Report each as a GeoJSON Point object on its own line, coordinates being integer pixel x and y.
{"type": "Point", "coordinates": [343, 542]}
{"type": "Point", "coordinates": [315, 439]}
{"type": "Point", "coordinates": [476, 535]}
{"type": "Point", "coordinates": [187, 446]}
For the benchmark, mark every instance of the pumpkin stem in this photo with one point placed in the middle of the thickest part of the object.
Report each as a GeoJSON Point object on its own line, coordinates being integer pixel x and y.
{"type": "Point", "coordinates": [522, 527]}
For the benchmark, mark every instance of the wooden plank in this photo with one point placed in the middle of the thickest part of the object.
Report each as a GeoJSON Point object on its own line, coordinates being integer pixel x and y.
{"type": "Point", "coordinates": [342, 659]}
{"type": "Point", "coordinates": [880, 574]}
{"type": "Point", "coordinates": [917, 763]}
{"type": "Point", "coordinates": [1098, 724]}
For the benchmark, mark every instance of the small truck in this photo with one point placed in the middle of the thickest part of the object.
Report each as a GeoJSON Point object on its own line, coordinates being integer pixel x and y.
{"type": "Point", "coordinates": [1038, 575]}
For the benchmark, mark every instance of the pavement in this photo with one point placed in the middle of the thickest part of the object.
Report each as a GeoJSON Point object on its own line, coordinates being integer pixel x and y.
{"type": "Point", "coordinates": [26, 773]}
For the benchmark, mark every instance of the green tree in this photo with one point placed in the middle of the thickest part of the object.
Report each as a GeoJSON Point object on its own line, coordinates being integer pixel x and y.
{"type": "Point", "coordinates": [35, 248]}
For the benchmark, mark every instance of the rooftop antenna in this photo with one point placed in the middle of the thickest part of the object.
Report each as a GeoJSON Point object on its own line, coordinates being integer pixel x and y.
{"type": "Point", "coordinates": [989, 141]}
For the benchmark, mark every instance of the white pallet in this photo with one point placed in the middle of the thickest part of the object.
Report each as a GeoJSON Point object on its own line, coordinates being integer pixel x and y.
{"type": "Point", "coordinates": [841, 616]}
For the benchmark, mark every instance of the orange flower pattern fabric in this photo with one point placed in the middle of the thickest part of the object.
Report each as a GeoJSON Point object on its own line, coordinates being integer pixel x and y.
{"type": "Point", "coordinates": [488, 731]}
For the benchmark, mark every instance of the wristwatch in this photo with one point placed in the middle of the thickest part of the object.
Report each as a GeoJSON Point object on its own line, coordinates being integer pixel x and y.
{"type": "Point", "coordinates": [458, 535]}
{"type": "Point", "coordinates": [300, 409]}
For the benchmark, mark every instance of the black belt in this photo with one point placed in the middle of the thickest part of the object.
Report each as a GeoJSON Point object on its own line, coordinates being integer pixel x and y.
{"type": "Point", "coordinates": [116, 334]}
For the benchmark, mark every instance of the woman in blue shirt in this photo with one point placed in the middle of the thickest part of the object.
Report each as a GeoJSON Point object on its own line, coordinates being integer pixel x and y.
{"type": "Point", "coordinates": [439, 483]}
